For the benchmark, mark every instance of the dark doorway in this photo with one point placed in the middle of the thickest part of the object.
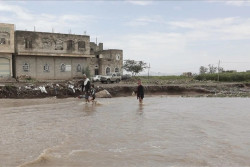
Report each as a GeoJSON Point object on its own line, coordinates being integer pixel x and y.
{"type": "Point", "coordinates": [96, 72]}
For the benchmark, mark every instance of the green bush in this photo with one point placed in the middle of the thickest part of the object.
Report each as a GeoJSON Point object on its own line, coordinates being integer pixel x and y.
{"type": "Point", "coordinates": [172, 77]}
{"type": "Point", "coordinates": [225, 77]}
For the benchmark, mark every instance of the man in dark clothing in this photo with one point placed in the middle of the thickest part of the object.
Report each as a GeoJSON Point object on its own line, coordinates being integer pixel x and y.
{"type": "Point", "coordinates": [86, 87]}
{"type": "Point", "coordinates": [140, 91]}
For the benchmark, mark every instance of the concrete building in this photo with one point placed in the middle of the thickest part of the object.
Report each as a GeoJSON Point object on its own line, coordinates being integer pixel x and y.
{"type": "Point", "coordinates": [6, 49]}
{"type": "Point", "coordinates": [106, 61]}
{"type": "Point", "coordinates": [55, 56]}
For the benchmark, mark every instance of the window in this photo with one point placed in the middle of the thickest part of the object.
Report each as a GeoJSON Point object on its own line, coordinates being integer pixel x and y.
{"type": "Point", "coordinates": [81, 45]}
{"type": "Point", "coordinates": [2, 41]}
{"type": "Point", "coordinates": [46, 68]}
{"type": "Point", "coordinates": [96, 71]}
{"type": "Point", "coordinates": [70, 45]}
{"type": "Point", "coordinates": [63, 67]}
{"type": "Point", "coordinates": [59, 45]}
{"type": "Point", "coordinates": [28, 43]}
{"type": "Point", "coordinates": [107, 70]}
{"type": "Point", "coordinates": [91, 50]}
{"type": "Point", "coordinates": [26, 67]}
{"type": "Point", "coordinates": [117, 56]}
{"type": "Point", "coordinates": [116, 69]}
{"type": "Point", "coordinates": [78, 68]}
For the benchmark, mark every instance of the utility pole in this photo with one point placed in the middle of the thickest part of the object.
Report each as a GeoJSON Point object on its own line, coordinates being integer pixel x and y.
{"type": "Point", "coordinates": [219, 71]}
{"type": "Point", "coordinates": [148, 71]}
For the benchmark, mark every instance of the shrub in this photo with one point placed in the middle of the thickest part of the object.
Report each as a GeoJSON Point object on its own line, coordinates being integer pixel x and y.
{"type": "Point", "coordinates": [226, 77]}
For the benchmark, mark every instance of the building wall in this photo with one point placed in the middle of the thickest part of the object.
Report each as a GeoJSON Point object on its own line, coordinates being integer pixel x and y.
{"type": "Point", "coordinates": [6, 49]}
{"type": "Point", "coordinates": [95, 48]}
{"type": "Point", "coordinates": [109, 58]}
{"type": "Point", "coordinates": [37, 63]}
{"type": "Point", "coordinates": [29, 51]}
{"type": "Point", "coordinates": [5, 65]}
{"type": "Point", "coordinates": [39, 48]}
{"type": "Point", "coordinates": [19, 62]}
{"type": "Point", "coordinates": [6, 38]}
{"type": "Point", "coordinates": [35, 43]}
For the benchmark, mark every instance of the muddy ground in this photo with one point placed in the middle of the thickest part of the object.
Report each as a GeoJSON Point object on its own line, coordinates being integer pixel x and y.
{"type": "Point", "coordinates": [72, 88]}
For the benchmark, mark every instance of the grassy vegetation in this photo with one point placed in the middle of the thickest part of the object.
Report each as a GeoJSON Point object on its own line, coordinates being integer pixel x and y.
{"type": "Point", "coordinates": [225, 77]}
{"type": "Point", "coordinates": [162, 79]}
{"type": "Point", "coordinates": [172, 77]}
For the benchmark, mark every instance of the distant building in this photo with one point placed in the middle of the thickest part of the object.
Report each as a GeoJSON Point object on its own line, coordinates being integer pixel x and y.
{"type": "Point", "coordinates": [45, 56]}
{"type": "Point", "coordinates": [188, 74]}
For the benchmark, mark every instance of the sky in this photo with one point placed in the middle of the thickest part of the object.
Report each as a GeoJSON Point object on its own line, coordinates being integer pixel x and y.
{"type": "Point", "coordinates": [172, 36]}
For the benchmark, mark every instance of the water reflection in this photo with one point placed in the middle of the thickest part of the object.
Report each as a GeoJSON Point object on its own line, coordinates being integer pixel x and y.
{"type": "Point", "coordinates": [140, 109]}
{"type": "Point", "coordinates": [89, 109]}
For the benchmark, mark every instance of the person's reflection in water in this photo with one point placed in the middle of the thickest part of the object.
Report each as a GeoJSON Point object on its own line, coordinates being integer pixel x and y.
{"type": "Point", "coordinates": [89, 109]}
{"type": "Point", "coordinates": [140, 109]}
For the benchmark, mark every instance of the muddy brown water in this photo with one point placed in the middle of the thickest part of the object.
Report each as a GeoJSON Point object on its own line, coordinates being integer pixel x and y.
{"type": "Point", "coordinates": [118, 132]}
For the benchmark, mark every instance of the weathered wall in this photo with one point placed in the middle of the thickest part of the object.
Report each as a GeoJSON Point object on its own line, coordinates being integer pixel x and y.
{"type": "Point", "coordinates": [95, 48]}
{"type": "Point", "coordinates": [6, 49]}
{"type": "Point", "coordinates": [51, 44]}
{"type": "Point", "coordinates": [6, 38]}
{"type": "Point", "coordinates": [37, 63]}
{"type": "Point", "coordinates": [112, 58]}
{"type": "Point", "coordinates": [19, 62]}
{"type": "Point", "coordinates": [5, 65]}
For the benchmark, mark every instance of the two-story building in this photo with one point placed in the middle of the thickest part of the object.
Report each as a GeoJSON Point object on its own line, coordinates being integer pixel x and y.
{"type": "Point", "coordinates": [52, 56]}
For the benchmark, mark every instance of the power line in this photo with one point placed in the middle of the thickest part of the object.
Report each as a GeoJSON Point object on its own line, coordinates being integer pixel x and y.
{"type": "Point", "coordinates": [236, 62]}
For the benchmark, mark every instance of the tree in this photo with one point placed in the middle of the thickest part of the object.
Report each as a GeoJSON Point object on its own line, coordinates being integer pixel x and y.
{"type": "Point", "coordinates": [203, 70]}
{"type": "Point", "coordinates": [220, 69]}
{"type": "Point", "coordinates": [134, 67]}
{"type": "Point", "coordinates": [212, 69]}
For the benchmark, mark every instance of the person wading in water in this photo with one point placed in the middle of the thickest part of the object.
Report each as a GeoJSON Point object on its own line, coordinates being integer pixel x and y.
{"type": "Point", "coordinates": [86, 87]}
{"type": "Point", "coordinates": [140, 91]}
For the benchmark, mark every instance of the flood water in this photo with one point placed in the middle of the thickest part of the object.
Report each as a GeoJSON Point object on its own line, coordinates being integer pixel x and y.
{"type": "Point", "coordinates": [118, 132]}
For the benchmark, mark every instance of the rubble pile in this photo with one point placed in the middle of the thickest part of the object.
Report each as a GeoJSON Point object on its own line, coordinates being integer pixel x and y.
{"type": "Point", "coordinates": [73, 89]}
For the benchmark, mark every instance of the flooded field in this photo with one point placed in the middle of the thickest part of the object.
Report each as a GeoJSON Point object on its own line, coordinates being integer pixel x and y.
{"type": "Point", "coordinates": [118, 132]}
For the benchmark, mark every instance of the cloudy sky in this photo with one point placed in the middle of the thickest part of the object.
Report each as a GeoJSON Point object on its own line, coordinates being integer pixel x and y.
{"type": "Point", "coordinates": [173, 36]}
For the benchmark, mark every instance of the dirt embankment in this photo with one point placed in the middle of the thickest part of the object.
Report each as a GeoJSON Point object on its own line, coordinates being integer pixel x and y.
{"type": "Point", "coordinates": [73, 89]}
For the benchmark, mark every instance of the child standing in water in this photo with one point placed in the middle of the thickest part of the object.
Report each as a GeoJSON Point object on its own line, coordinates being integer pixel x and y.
{"type": "Point", "coordinates": [140, 91]}
{"type": "Point", "coordinates": [92, 93]}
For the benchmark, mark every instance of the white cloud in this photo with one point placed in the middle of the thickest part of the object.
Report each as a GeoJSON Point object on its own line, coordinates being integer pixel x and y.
{"type": "Point", "coordinates": [24, 19]}
{"type": "Point", "coordinates": [144, 21]}
{"type": "Point", "coordinates": [238, 3]}
{"type": "Point", "coordinates": [178, 8]}
{"type": "Point", "coordinates": [232, 28]}
{"type": "Point", "coordinates": [188, 45]}
{"type": "Point", "coordinates": [16, 10]}
{"type": "Point", "coordinates": [160, 49]}
{"type": "Point", "coordinates": [142, 3]}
